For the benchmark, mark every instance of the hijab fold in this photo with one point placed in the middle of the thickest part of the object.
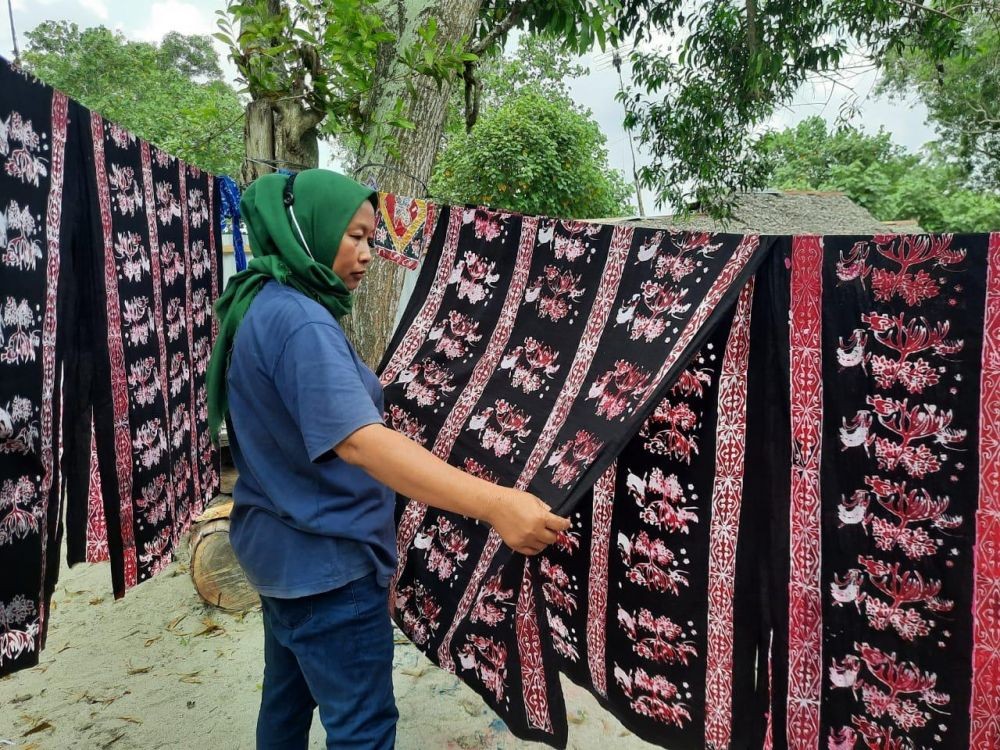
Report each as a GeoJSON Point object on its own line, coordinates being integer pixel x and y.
{"type": "Point", "coordinates": [323, 203]}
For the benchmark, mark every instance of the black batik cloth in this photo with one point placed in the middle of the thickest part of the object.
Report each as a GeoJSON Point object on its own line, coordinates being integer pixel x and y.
{"type": "Point", "coordinates": [40, 209]}
{"type": "Point", "coordinates": [158, 274]}
{"type": "Point", "coordinates": [884, 587]}
{"type": "Point", "coordinates": [811, 512]}
{"type": "Point", "coordinates": [532, 353]}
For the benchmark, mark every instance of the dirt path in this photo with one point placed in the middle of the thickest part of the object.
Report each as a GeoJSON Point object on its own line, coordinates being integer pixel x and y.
{"type": "Point", "coordinates": [158, 669]}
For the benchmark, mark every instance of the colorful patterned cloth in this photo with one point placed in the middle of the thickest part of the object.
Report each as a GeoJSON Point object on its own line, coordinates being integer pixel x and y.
{"type": "Point", "coordinates": [403, 228]}
{"type": "Point", "coordinates": [885, 534]}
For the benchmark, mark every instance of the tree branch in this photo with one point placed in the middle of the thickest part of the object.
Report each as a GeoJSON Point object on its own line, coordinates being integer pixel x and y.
{"type": "Point", "coordinates": [513, 16]}
{"type": "Point", "coordinates": [752, 35]}
{"type": "Point", "coordinates": [928, 9]}
{"type": "Point", "coordinates": [471, 96]}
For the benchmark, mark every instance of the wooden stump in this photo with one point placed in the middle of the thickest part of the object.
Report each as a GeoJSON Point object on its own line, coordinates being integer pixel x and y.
{"type": "Point", "coordinates": [227, 480]}
{"type": "Point", "coordinates": [218, 577]}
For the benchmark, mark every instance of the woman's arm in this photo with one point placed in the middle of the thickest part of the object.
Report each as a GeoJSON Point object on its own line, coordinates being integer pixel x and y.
{"type": "Point", "coordinates": [521, 519]}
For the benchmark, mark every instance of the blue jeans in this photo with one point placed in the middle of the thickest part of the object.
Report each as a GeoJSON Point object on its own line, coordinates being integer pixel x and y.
{"type": "Point", "coordinates": [334, 651]}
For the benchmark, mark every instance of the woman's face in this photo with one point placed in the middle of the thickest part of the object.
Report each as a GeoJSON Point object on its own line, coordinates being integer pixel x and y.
{"type": "Point", "coordinates": [355, 251]}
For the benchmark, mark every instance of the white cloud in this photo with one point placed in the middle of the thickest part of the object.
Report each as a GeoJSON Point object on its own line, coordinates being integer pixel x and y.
{"type": "Point", "coordinates": [98, 7]}
{"type": "Point", "coordinates": [173, 15]}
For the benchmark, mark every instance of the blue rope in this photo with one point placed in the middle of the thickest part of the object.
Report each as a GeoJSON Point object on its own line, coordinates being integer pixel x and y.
{"type": "Point", "coordinates": [230, 193]}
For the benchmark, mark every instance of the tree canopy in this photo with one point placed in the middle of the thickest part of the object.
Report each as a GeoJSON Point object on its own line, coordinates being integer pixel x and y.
{"type": "Point", "coordinates": [961, 92]}
{"type": "Point", "coordinates": [171, 93]}
{"type": "Point", "coordinates": [880, 175]}
{"type": "Point", "coordinates": [532, 149]}
{"type": "Point", "coordinates": [535, 153]}
{"type": "Point", "coordinates": [706, 76]}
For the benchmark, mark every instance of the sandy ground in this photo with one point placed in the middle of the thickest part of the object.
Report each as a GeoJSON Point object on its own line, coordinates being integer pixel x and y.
{"type": "Point", "coordinates": [159, 669]}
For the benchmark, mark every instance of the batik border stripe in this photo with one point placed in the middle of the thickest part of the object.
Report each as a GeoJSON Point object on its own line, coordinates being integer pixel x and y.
{"type": "Point", "coordinates": [212, 486]}
{"type": "Point", "coordinates": [116, 356]}
{"type": "Point", "coordinates": [727, 498]}
{"type": "Point", "coordinates": [985, 702]}
{"type": "Point", "coordinates": [53, 225]}
{"type": "Point", "coordinates": [534, 689]}
{"type": "Point", "coordinates": [805, 610]}
{"type": "Point", "coordinates": [154, 264]}
{"type": "Point", "coordinates": [597, 588]}
{"type": "Point", "coordinates": [418, 331]}
{"type": "Point", "coordinates": [189, 325]}
{"type": "Point", "coordinates": [415, 512]}
{"type": "Point", "coordinates": [768, 717]}
{"type": "Point", "coordinates": [97, 525]}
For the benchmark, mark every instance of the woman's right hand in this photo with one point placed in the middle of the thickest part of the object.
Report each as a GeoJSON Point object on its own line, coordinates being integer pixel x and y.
{"type": "Point", "coordinates": [524, 522]}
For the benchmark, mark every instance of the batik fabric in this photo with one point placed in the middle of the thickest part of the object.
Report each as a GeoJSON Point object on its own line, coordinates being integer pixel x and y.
{"type": "Point", "coordinates": [160, 270]}
{"type": "Point", "coordinates": [34, 234]}
{"type": "Point", "coordinates": [887, 591]}
{"type": "Point", "coordinates": [533, 352]}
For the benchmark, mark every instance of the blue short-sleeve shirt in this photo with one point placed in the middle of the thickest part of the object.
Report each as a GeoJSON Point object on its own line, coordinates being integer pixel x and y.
{"type": "Point", "coordinates": [304, 521]}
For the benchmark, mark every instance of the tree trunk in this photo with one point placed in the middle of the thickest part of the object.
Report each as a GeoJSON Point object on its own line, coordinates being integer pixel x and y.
{"type": "Point", "coordinates": [408, 170]}
{"type": "Point", "coordinates": [279, 134]}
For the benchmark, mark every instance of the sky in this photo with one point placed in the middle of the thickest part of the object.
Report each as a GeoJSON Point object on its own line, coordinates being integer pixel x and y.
{"type": "Point", "coordinates": [150, 20]}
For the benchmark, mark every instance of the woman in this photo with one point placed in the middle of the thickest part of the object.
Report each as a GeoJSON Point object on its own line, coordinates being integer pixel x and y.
{"type": "Point", "coordinates": [313, 522]}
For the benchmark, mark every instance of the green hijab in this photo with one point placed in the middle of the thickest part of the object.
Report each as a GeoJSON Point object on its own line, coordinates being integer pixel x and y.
{"type": "Point", "coordinates": [323, 203]}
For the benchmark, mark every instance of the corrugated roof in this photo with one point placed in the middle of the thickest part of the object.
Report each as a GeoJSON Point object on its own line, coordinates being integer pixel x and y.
{"type": "Point", "coordinates": [782, 212]}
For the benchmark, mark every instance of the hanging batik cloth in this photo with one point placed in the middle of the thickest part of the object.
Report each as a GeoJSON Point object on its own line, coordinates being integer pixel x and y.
{"type": "Point", "coordinates": [641, 596]}
{"type": "Point", "coordinates": [160, 270]}
{"type": "Point", "coordinates": [403, 228]}
{"type": "Point", "coordinates": [35, 234]}
{"type": "Point", "coordinates": [886, 542]}
{"type": "Point", "coordinates": [533, 352]}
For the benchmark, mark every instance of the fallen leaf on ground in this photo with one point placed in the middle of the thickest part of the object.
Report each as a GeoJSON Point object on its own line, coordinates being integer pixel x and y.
{"type": "Point", "coordinates": [65, 646]}
{"type": "Point", "coordinates": [139, 670]}
{"type": "Point", "coordinates": [106, 700]}
{"type": "Point", "coordinates": [97, 600]}
{"type": "Point", "coordinates": [414, 671]}
{"type": "Point", "coordinates": [130, 719]}
{"type": "Point", "coordinates": [150, 641]}
{"type": "Point", "coordinates": [211, 628]}
{"type": "Point", "coordinates": [113, 740]}
{"type": "Point", "coordinates": [172, 625]}
{"type": "Point", "coordinates": [39, 727]}
{"type": "Point", "coordinates": [191, 678]}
